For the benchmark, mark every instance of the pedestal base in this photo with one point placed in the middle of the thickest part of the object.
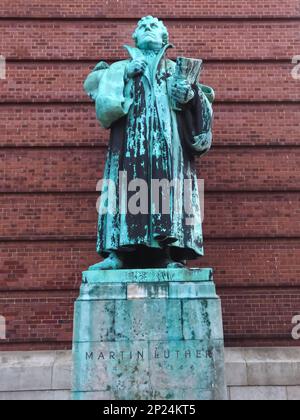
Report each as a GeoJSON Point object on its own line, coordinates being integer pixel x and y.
{"type": "Point", "coordinates": [148, 334]}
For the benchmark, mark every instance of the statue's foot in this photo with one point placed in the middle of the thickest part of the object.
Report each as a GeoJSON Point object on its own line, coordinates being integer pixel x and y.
{"type": "Point", "coordinates": [113, 262]}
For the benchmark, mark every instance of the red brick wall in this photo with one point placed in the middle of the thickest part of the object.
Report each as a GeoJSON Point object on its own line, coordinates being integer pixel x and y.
{"type": "Point", "coordinates": [52, 153]}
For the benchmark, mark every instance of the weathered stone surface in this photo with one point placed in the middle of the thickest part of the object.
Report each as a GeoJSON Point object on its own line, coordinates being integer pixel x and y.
{"type": "Point", "coordinates": [110, 366]}
{"type": "Point", "coordinates": [258, 393]}
{"type": "Point", "coordinates": [147, 290]}
{"type": "Point", "coordinates": [201, 319]}
{"type": "Point", "coordinates": [293, 393]}
{"type": "Point", "coordinates": [36, 374]}
{"type": "Point", "coordinates": [164, 341]}
{"type": "Point", "coordinates": [148, 319]}
{"type": "Point", "coordinates": [185, 395]}
{"type": "Point", "coordinates": [35, 395]}
{"type": "Point", "coordinates": [121, 368]}
{"type": "Point", "coordinates": [270, 367]}
{"type": "Point", "coordinates": [219, 386]}
{"type": "Point", "coordinates": [273, 373]}
{"type": "Point", "coordinates": [18, 378]}
{"type": "Point", "coordinates": [236, 367]}
{"type": "Point", "coordinates": [270, 354]}
{"type": "Point", "coordinates": [61, 373]}
{"type": "Point", "coordinates": [191, 290]}
{"type": "Point", "coordinates": [148, 275]}
{"type": "Point", "coordinates": [263, 366]}
{"type": "Point", "coordinates": [236, 374]}
{"type": "Point", "coordinates": [182, 364]}
{"type": "Point", "coordinates": [94, 320]}
{"type": "Point", "coordinates": [103, 291]}
{"type": "Point", "coordinates": [92, 396]}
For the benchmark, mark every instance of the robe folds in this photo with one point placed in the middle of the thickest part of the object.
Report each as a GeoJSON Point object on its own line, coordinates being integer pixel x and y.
{"type": "Point", "coordinates": [151, 142]}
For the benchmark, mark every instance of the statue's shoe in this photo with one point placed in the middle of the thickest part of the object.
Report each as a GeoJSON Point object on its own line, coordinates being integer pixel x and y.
{"type": "Point", "coordinates": [110, 263]}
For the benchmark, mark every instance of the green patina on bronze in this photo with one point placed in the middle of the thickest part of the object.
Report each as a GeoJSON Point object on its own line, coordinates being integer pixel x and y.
{"type": "Point", "coordinates": [158, 125]}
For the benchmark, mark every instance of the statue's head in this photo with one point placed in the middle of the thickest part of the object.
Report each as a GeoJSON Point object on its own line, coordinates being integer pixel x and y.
{"type": "Point", "coordinates": [150, 34]}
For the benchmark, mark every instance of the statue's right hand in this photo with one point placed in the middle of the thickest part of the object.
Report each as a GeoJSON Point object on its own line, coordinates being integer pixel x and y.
{"type": "Point", "coordinates": [136, 67]}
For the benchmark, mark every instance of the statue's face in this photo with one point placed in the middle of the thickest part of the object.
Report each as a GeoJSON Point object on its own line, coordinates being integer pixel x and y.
{"type": "Point", "coordinates": [149, 35]}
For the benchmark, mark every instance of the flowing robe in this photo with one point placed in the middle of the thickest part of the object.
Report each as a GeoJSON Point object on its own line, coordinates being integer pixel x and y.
{"type": "Point", "coordinates": [150, 140]}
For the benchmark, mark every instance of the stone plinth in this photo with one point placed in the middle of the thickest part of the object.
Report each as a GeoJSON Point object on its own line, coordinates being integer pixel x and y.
{"type": "Point", "coordinates": [148, 334]}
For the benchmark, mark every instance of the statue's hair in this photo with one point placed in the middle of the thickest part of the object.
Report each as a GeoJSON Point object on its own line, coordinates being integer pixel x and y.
{"type": "Point", "coordinates": [156, 20]}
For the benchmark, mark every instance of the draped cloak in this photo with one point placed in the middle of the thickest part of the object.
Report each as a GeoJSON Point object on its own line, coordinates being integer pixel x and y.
{"type": "Point", "coordinates": [150, 140]}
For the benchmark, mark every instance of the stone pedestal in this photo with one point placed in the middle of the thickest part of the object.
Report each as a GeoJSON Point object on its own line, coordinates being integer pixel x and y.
{"type": "Point", "coordinates": [148, 334]}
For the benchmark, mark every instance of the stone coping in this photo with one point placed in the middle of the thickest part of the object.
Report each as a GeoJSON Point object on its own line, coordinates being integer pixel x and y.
{"type": "Point", "coordinates": [148, 275]}
{"type": "Point", "coordinates": [146, 290]}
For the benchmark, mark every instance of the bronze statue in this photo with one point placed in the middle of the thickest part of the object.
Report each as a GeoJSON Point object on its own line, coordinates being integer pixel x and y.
{"type": "Point", "coordinates": [160, 118]}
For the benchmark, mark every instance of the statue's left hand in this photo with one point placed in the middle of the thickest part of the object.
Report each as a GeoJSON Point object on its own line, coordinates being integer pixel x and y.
{"type": "Point", "coordinates": [181, 91]}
